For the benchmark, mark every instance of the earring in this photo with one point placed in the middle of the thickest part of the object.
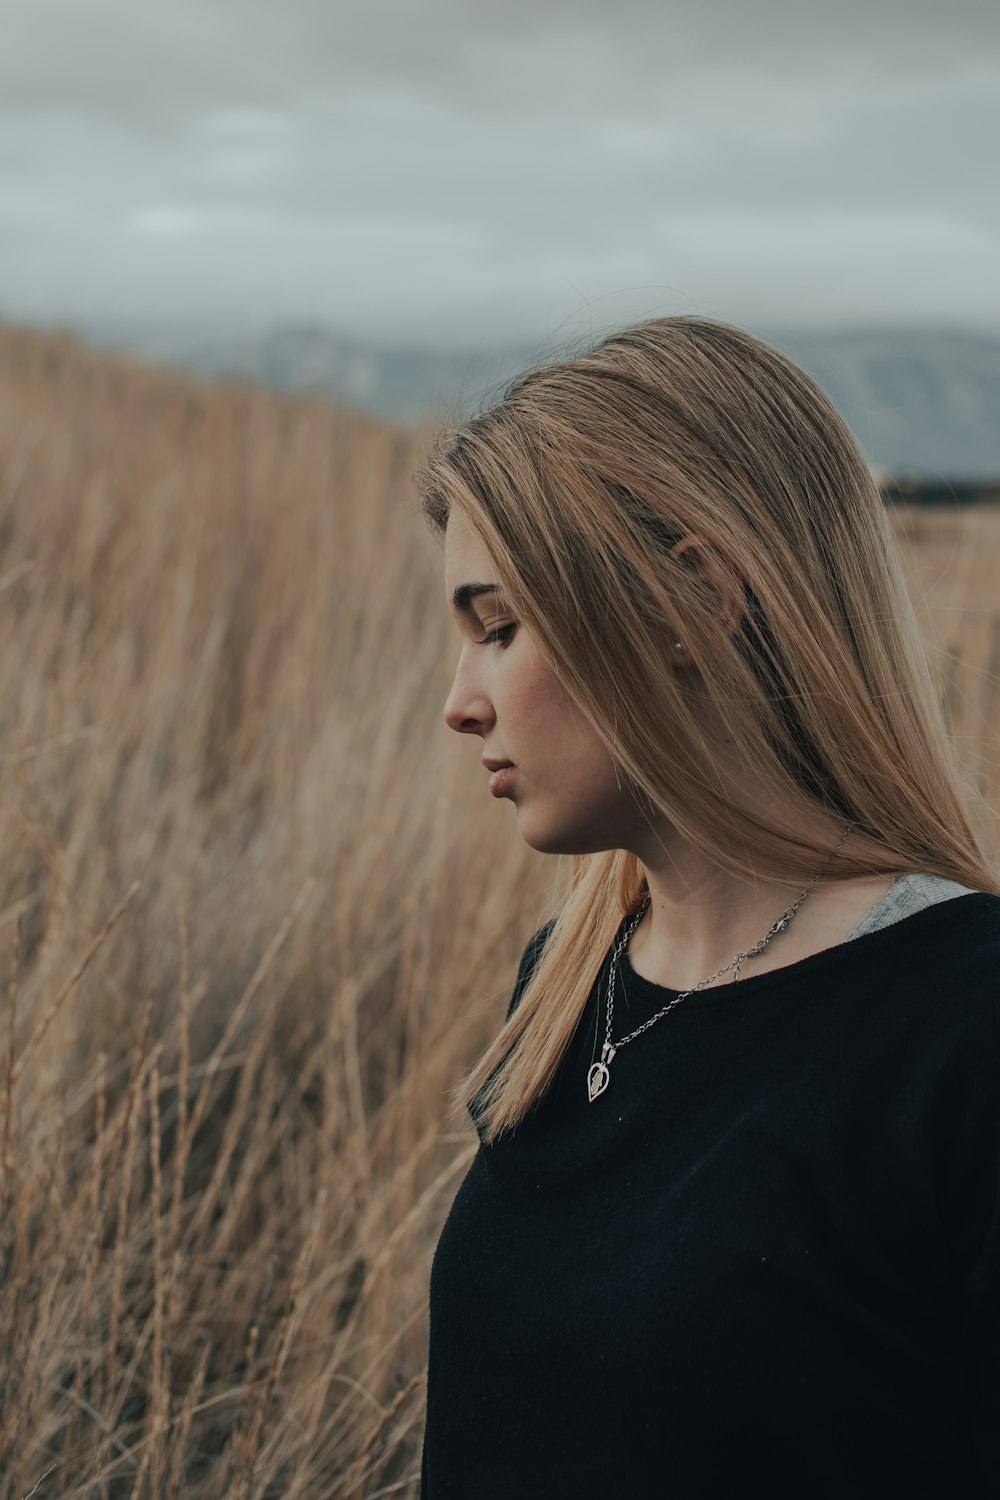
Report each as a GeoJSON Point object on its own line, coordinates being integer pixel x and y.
{"type": "Point", "coordinates": [678, 646]}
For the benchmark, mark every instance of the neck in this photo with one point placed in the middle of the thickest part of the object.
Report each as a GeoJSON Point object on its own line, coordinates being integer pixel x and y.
{"type": "Point", "coordinates": [700, 917]}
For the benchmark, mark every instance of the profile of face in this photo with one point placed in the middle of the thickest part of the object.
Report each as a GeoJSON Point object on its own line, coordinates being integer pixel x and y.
{"type": "Point", "coordinates": [570, 796]}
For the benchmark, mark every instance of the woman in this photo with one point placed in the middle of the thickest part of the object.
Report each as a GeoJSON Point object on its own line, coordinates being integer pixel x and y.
{"type": "Point", "coordinates": [734, 1221]}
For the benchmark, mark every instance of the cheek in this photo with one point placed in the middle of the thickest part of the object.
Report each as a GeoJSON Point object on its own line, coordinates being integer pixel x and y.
{"type": "Point", "coordinates": [580, 755]}
{"type": "Point", "coordinates": [532, 701]}
{"type": "Point", "coordinates": [548, 726]}
{"type": "Point", "coordinates": [550, 720]}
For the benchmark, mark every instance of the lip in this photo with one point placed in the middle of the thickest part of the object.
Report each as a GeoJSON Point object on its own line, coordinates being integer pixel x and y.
{"type": "Point", "coordinates": [495, 765]}
{"type": "Point", "coordinates": [500, 780]}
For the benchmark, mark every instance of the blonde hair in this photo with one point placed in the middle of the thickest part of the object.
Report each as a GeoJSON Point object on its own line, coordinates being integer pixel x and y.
{"type": "Point", "coordinates": [578, 480]}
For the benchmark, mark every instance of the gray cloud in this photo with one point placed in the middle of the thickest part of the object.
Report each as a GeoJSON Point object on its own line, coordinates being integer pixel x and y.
{"type": "Point", "coordinates": [453, 173]}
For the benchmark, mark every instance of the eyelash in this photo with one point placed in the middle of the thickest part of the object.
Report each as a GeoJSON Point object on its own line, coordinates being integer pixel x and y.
{"type": "Point", "coordinates": [498, 637]}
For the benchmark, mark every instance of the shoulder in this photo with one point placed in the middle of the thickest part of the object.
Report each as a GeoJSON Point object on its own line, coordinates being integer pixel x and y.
{"type": "Point", "coordinates": [943, 966]}
{"type": "Point", "coordinates": [952, 943]}
{"type": "Point", "coordinates": [529, 958]}
{"type": "Point", "coordinates": [950, 1046]}
{"type": "Point", "coordinates": [973, 957]}
{"type": "Point", "coordinates": [951, 938]}
{"type": "Point", "coordinates": [968, 940]}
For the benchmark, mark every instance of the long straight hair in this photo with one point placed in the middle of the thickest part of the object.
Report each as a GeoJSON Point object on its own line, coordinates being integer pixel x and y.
{"type": "Point", "coordinates": [578, 480]}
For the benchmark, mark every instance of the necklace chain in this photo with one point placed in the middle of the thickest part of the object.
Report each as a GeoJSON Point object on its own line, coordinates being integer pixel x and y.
{"type": "Point", "coordinates": [598, 1076]}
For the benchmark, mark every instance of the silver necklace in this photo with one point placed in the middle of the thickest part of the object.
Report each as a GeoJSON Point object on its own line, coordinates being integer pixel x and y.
{"type": "Point", "coordinates": [599, 1074]}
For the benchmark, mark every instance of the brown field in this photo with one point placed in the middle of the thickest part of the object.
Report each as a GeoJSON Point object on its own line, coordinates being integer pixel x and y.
{"type": "Point", "coordinates": [257, 915]}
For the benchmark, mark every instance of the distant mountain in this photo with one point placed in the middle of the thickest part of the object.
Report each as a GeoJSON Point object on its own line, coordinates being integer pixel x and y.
{"type": "Point", "coordinates": [921, 403]}
{"type": "Point", "coordinates": [404, 386]}
{"type": "Point", "coordinates": [924, 403]}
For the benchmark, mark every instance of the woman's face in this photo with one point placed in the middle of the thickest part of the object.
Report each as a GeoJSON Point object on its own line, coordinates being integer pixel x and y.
{"type": "Point", "coordinates": [569, 797]}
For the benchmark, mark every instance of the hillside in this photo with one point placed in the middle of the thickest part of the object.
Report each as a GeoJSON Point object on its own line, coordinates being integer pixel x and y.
{"type": "Point", "coordinates": [923, 402]}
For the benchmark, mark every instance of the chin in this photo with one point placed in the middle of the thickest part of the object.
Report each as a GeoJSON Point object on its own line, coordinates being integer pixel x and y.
{"type": "Point", "coordinates": [551, 838]}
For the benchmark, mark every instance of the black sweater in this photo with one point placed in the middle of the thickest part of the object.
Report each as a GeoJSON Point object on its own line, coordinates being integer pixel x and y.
{"type": "Point", "coordinates": [765, 1261]}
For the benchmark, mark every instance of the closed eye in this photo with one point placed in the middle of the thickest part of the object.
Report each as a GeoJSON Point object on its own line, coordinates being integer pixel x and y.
{"type": "Point", "coordinates": [498, 637]}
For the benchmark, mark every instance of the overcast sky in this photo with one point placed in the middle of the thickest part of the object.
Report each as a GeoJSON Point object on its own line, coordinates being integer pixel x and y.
{"type": "Point", "coordinates": [454, 174]}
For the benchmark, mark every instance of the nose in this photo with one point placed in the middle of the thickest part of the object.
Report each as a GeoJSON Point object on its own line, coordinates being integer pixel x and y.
{"type": "Point", "coordinates": [467, 710]}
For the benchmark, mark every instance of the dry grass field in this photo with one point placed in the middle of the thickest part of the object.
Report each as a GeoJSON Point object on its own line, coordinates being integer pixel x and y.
{"type": "Point", "coordinates": [257, 914]}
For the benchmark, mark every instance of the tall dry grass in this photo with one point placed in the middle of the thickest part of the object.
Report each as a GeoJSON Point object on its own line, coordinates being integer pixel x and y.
{"type": "Point", "coordinates": [257, 914]}
{"type": "Point", "coordinates": [255, 917]}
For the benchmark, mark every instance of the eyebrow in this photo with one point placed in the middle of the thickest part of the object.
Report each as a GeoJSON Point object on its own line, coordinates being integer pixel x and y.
{"type": "Point", "coordinates": [467, 591]}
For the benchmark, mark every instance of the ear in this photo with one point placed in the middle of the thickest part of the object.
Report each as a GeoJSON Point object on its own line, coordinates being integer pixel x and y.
{"type": "Point", "coordinates": [720, 572]}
